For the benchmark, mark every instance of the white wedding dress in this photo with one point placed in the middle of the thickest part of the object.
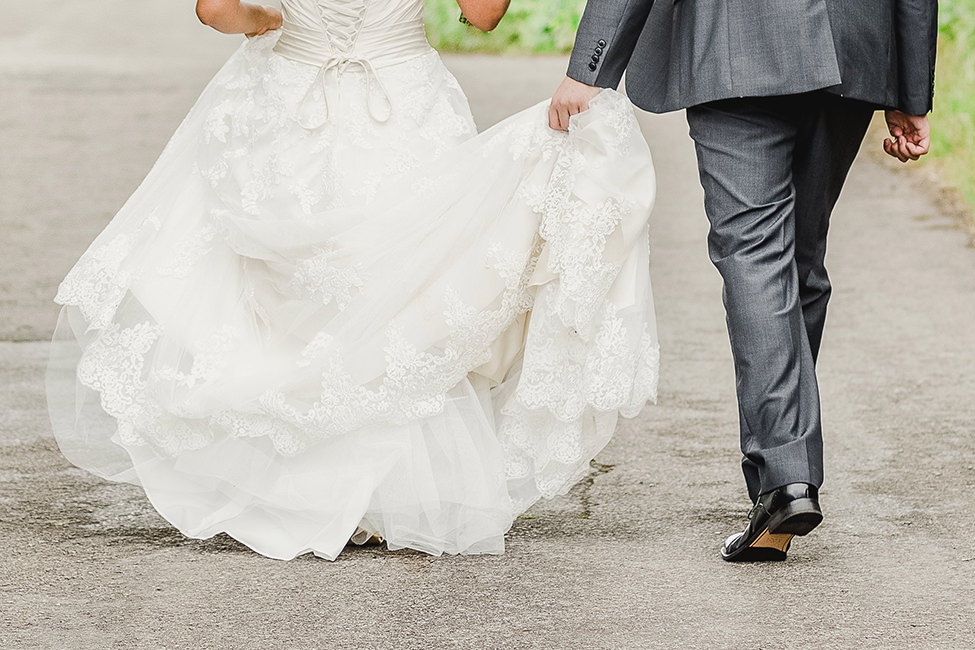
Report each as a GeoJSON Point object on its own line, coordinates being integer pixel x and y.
{"type": "Point", "coordinates": [332, 307]}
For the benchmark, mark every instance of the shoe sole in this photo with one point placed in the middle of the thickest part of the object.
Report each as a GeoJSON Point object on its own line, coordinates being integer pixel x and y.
{"type": "Point", "coordinates": [798, 518]}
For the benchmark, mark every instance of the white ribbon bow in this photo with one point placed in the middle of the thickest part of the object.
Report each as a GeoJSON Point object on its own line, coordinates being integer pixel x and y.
{"type": "Point", "coordinates": [341, 64]}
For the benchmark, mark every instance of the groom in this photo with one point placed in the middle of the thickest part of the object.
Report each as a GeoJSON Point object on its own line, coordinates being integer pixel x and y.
{"type": "Point", "coordinates": [778, 94]}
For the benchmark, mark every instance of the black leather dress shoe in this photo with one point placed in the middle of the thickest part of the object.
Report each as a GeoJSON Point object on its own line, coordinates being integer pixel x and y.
{"type": "Point", "coordinates": [777, 517]}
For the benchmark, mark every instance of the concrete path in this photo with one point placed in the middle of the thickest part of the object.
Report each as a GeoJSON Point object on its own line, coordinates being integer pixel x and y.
{"type": "Point", "coordinates": [89, 94]}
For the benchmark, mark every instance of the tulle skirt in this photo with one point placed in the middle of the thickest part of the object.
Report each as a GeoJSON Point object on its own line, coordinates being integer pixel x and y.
{"type": "Point", "coordinates": [399, 327]}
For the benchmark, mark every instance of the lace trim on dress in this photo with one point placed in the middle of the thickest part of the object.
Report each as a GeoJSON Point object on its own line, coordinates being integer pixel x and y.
{"type": "Point", "coordinates": [583, 362]}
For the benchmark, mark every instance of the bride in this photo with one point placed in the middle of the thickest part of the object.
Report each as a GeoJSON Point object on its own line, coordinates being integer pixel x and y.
{"type": "Point", "coordinates": [332, 311]}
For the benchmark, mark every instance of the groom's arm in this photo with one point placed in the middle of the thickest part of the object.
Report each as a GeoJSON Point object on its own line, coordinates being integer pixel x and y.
{"type": "Point", "coordinates": [916, 31]}
{"type": "Point", "coordinates": [607, 35]}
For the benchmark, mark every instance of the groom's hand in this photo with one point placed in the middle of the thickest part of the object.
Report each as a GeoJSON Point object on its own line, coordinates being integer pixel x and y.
{"type": "Point", "coordinates": [570, 98]}
{"type": "Point", "coordinates": [910, 135]}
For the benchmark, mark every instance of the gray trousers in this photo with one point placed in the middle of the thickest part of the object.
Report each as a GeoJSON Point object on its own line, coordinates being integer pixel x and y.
{"type": "Point", "coordinates": [772, 169]}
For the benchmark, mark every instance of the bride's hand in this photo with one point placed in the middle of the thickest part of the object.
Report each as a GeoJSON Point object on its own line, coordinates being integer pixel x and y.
{"type": "Point", "coordinates": [272, 20]}
{"type": "Point", "coordinates": [570, 98]}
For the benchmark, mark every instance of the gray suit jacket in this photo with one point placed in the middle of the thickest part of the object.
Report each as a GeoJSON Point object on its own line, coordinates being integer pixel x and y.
{"type": "Point", "coordinates": [688, 52]}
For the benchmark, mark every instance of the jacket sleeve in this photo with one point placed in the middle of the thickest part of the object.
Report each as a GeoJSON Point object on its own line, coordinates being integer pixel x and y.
{"type": "Point", "coordinates": [605, 41]}
{"type": "Point", "coordinates": [916, 31]}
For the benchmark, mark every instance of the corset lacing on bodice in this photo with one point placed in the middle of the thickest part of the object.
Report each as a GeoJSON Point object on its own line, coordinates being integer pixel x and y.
{"type": "Point", "coordinates": [334, 36]}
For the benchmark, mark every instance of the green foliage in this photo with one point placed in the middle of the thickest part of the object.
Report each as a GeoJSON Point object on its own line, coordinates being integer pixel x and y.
{"type": "Point", "coordinates": [953, 120]}
{"type": "Point", "coordinates": [531, 26]}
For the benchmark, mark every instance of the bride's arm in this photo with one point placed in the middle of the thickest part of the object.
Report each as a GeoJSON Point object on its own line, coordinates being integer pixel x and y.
{"type": "Point", "coordinates": [236, 17]}
{"type": "Point", "coordinates": [484, 14]}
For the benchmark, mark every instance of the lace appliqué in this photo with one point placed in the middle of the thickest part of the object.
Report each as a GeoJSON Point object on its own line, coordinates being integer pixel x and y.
{"type": "Point", "coordinates": [114, 365]}
{"type": "Point", "coordinates": [188, 252]}
{"type": "Point", "coordinates": [97, 283]}
{"type": "Point", "coordinates": [577, 234]}
{"type": "Point", "coordinates": [318, 276]}
{"type": "Point", "coordinates": [209, 359]}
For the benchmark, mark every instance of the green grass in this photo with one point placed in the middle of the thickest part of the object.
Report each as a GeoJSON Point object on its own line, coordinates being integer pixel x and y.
{"type": "Point", "coordinates": [530, 27]}
{"type": "Point", "coordinates": [953, 120]}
